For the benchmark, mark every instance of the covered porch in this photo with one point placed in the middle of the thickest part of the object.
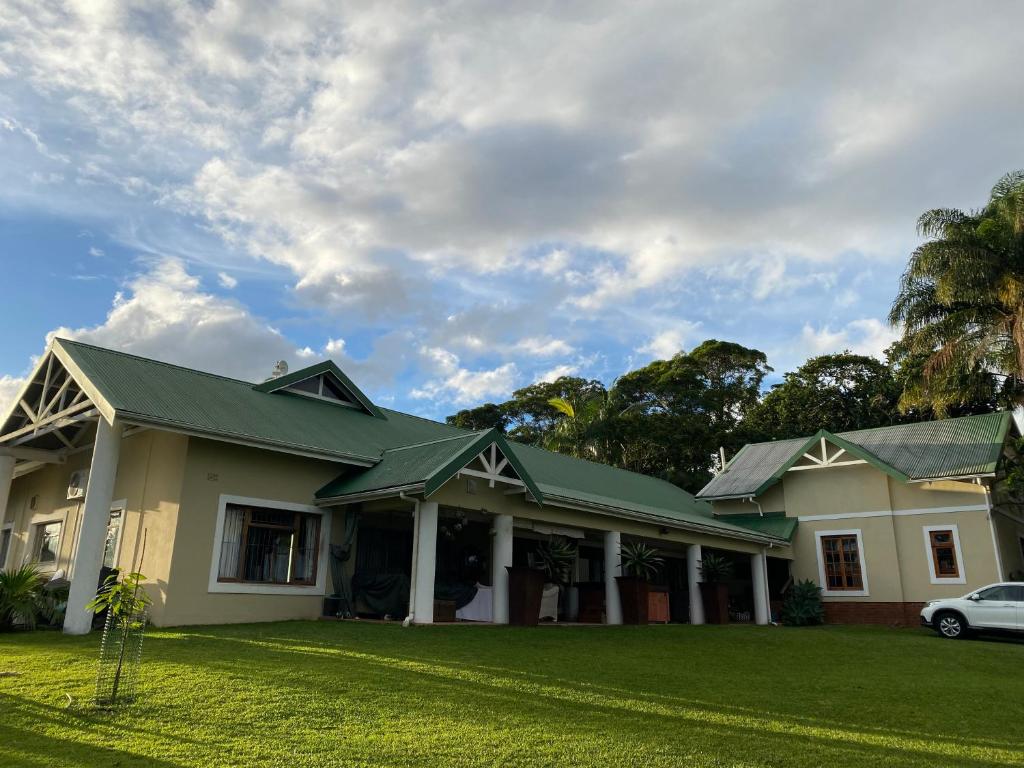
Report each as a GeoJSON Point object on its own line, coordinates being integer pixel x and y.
{"type": "Point", "coordinates": [440, 549]}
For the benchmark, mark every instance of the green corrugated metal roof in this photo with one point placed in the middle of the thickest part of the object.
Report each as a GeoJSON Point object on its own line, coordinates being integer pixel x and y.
{"type": "Point", "coordinates": [774, 523]}
{"type": "Point", "coordinates": [403, 449]}
{"type": "Point", "coordinates": [960, 447]}
{"type": "Point", "coordinates": [150, 391]}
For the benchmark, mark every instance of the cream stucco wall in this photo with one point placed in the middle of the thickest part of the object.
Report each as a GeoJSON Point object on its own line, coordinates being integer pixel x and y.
{"type": "Point", "coordinates": [212, 469]}
{"type": "Point", "coordinates": [1010, 535]}
{"type": "Point", "coordinates": [148, 482]}
{"type": "Point", "coordinates": [891, 518]}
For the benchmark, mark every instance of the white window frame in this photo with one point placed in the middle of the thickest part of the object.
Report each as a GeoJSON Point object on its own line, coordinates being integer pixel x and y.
{"type": "Point", "coordinates": [10, 544]}
{"type": "Point", "coordinates": [35, 543]}
{"type": "Point", "coordinates": [935, 578]}
{"type": "Point", "coordinates": [823, 582]}
{"type": "Point", "coordinates": [242, 588]}
{"type": "Point", "coordinates": [122, 506]}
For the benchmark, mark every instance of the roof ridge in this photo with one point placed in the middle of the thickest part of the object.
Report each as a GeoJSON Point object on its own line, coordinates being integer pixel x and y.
{"type": "Point", "coordinates": [432, 442]}
{"type": "Point", "coordinates": [122, 353]}
{"type": "Point", "coordinates": [429, 421]}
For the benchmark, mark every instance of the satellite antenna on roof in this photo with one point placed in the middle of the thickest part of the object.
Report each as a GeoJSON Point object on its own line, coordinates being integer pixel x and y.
{"type": "Point", "coordinates": [280, 369]}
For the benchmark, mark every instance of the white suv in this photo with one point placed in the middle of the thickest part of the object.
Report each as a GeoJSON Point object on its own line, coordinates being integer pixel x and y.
{"type": "Point", "coordinates": [997, 607]}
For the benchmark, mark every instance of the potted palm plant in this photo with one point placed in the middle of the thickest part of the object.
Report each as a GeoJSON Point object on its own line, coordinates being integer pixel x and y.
{"type": "Point", "coordinates": [549, 562]}
{"type": "Point", "coordinates": [640, 564]}
{"type": "Point", "coordinates": [715, 570]}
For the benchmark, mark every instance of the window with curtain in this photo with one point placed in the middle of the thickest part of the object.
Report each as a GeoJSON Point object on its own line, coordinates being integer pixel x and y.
{"type": "Point", "coordinates": [842, 563]}
{"type": "Point", "coordinates": [269, 546]}
{"type": "Point", "coordinates": [944, 554]}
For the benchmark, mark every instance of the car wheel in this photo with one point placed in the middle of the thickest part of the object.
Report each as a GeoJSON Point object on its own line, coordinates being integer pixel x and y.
{"type": "Point", "coordinates": [951, 625]}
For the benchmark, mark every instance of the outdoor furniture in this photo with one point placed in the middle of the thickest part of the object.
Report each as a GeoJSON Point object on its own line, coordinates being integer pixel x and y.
{"type": "Point", "coordinates": [549, 602]}
{"type": "Point", "coordinates": [444, 610]}
{"type": "Point", "coordinates": [480, 608]}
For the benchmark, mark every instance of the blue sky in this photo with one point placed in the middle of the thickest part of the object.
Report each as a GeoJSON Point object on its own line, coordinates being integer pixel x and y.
{"type": "Point", "coordinates": [455, 202]}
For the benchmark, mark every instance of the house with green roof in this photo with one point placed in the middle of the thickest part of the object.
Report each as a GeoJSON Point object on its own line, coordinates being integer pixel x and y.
{"type": "Point", "coordinates": [298, 496]}
{"type": "Point", "coordinates": [884, 519]}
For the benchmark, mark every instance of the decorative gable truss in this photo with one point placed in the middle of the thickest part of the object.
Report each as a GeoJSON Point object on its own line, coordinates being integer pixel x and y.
{"type": "Point", "coordinates": [323, 381]}
{"type": "Point", "coordinates": [818, 456]}
{"type": "Point", "coordinates": [52, 413]}
{"type": "Point", "coordinates": [492, 465]}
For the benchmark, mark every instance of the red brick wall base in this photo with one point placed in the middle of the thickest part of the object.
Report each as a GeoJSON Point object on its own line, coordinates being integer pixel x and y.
{"type": "Point", "coordinates": [894, 614]}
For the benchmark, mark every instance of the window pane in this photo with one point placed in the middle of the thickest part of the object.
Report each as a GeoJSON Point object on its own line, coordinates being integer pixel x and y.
{"type": "Point", "coordinates": [998, 593]}
{"type": "Point", "coordinates": [231, 543]}
{"type": "Point", "coordinates": [842, 563]}
{"type": "Point", "coordinates": [49, 536]}
{"type": "Point", "coordinates": [113, 535]}
{"type": "Point", "coordinates": [308, 385]}
{"type": "Point", "coordinates": [5, 544]}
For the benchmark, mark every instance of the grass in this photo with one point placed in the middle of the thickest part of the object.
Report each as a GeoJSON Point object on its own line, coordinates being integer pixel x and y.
{"type": "Point", "coordinates": [347, 694]}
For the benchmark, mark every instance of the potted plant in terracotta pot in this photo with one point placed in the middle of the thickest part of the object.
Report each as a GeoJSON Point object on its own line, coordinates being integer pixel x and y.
{"type": "Point", "coordinates": [555, 557]}
{"type": "Point", "coordinates": [715, 570]}
{"type": "Point", "coordinates": [640, 564]}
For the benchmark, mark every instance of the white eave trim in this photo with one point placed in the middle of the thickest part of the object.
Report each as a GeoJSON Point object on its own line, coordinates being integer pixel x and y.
{"type": "Point", "coordinates": [382, 493]}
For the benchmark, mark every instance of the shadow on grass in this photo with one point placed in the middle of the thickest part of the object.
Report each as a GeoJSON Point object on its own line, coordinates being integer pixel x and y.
{"type": "Point", "coordinates": [624, 713]}
{"type": "Point", "coordinates": [28, 747]}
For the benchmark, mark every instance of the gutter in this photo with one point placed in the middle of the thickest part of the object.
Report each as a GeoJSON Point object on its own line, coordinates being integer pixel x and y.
{"type": "Point", "coordinates": [249, 441]}
{"type": "Point", "coordinates": [382, 493]}
{"type": "Point", "coordinates": [694, 527]}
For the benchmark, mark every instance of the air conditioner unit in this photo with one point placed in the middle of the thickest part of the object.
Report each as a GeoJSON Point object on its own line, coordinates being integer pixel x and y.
{"type": "Point", "coordinates": [76, 485]}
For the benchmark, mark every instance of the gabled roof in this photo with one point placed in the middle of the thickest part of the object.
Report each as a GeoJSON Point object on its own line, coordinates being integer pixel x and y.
{"type": "Point", "coordinates": [550, 477]}
{"type": "Point", "coordinates": [967, 446]}
{"type": "Point", "coordinates": [430, 464]}
{"type": "Point", "coordinates": [326, 368]}
{"type": "Point", "coordinates": [388, 451]}
{"type": "Point", "coordinates": [150, 392]}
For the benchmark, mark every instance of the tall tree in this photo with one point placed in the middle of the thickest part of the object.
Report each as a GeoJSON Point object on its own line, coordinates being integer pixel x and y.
{"type": "Point", "coordinates": [833, 392]}
{"type": "Point", "coordinates": [486, 416]}
{"type": "Point", "coordinates": [961, 302]}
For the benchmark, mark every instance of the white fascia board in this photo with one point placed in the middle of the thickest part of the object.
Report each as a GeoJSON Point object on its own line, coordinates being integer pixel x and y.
{"type": "Point", "coordinates": [104, 407]}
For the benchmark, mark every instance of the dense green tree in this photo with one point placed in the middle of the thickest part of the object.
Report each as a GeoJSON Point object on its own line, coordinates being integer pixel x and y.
{"type": "Point", "coordinates": [486, 416]}
{"type": "Point", "coordinates": [531, 417]}
{"type": "Point", "coordinates": [834, 392]}
{"type": "Point", "coordinates": [677, 413]}
{"type": "Point", "coordinates": [961, 303]}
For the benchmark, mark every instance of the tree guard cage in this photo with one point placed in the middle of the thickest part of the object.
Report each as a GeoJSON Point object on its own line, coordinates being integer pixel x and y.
{"type": "Point", "coordinates": [340, 554]}
{"type": "Point", "coordinates": [120, 656]}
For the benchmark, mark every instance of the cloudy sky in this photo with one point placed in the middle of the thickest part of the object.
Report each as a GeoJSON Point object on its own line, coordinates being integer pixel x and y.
{"type": "Point", "coordinates": [456, 199]}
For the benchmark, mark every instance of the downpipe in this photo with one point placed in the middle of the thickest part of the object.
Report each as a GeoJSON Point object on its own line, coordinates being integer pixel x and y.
{"type": "Point", "coordinates": [415, 557]}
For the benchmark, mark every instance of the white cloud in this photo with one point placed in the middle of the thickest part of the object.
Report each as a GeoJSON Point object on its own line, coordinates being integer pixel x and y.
{"type": "Point", "coordinates": [867, 336]}
{"type": "Point", "coordinates": [460, 385]}
{"type": "Point", "coordinates": [334, 346]}
{"type": "Point", "coordinates": [96, 252]}
{"type": "Point", "coordinates": [227, 281]}
{"type": "Point", "coordinates": [669, 342]}
{"type": "Point", "coordinates": [9, 388]}
{"type": "Point", "coordinates": [165, 315]}
{"type": "Point", "coordinates": [558, 372]}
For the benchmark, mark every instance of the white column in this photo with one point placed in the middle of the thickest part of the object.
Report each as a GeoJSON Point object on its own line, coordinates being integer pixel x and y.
{"type": "Point", "coordinates": [693, 579]}
{"type": "Point", "coordinates": [501, 556]}
{"type": "Point", "coordinates": [92, 530]}
{"type": "Point", "coordinates": [759, 576]}
{"type": "Point", "coordinates": [426, 558]}
{"type": "Point", "coordinates": [612, 568]}
{"type": "Point", "coordinates": [6, 478]}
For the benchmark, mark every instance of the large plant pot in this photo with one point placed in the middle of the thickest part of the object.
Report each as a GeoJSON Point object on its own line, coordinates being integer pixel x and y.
{"type": "Point", "coordinates": [633, 593]}
{"type": "Point", "coordinates": [525, 590]}
{"type": "Point", "coordinates": [716, 602]}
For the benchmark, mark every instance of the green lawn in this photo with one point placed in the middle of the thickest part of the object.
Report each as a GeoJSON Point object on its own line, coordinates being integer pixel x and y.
{"type": "Point", "coordinates": [320, 693]}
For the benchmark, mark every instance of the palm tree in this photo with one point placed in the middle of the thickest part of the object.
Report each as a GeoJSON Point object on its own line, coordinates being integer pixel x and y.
{"type": "Point", "coordinates": [961, 302]}
{"type": "Point", "coordinates": [584, 431]}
